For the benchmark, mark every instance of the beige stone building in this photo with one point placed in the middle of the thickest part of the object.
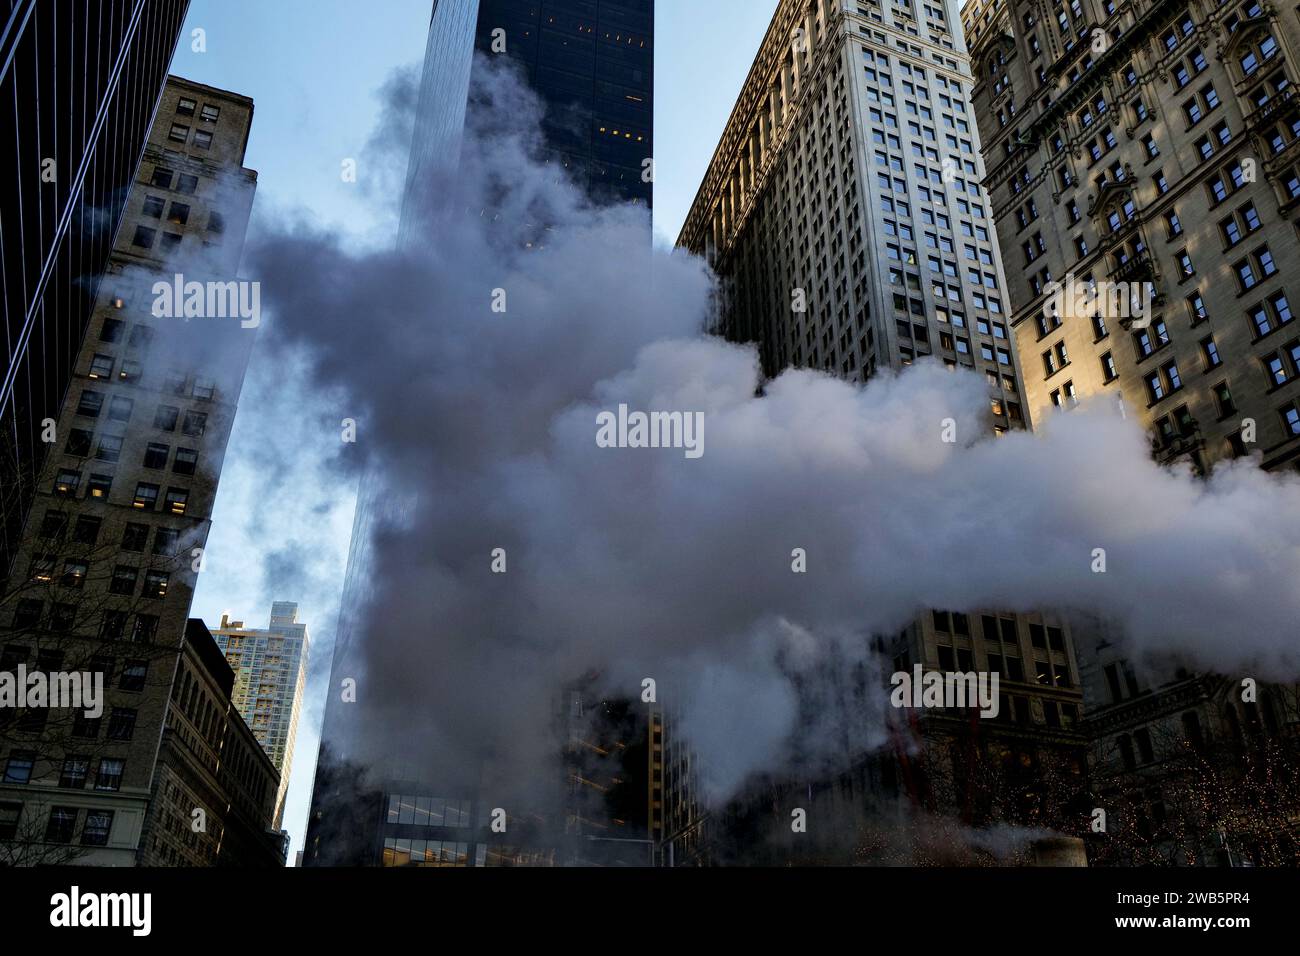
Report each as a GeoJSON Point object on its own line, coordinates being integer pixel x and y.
{"type": "Point", "coordinates": [1154, 143]}
{"type": "Point", "coordinates": [844, 214]}
{"type": "Point", "coordinates": [1150, 142]}
{"type": "Point", "coordinates": [109, 557]}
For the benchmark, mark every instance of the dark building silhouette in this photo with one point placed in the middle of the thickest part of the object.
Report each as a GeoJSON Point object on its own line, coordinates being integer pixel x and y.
{"type": "Point", "coordinates": [79, 85]}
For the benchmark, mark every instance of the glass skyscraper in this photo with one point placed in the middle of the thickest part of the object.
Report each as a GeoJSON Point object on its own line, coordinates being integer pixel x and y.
{"type": "Point", "coordinates": [79, 84]}
{"type": "Point", "coordinates": [591, 62]}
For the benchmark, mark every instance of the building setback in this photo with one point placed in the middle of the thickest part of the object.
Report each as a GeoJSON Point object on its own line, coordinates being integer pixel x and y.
{"type": "Point", "coordinates": [844, 214]}
{"type": "Point", "coordinates": [270, 667]}
{"type": "Point", "coordinates": [107, 564]}
{"type": "Point", "coordinates": [96, 71]}
{"type": "Point", "coordinates": [1156, 144]}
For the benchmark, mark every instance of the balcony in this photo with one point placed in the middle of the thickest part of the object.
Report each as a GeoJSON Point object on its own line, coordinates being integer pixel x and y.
{"type": "Point", "coordinates": [1137, 268]}
{"type": "Point", "coordinates": [1274, 107]}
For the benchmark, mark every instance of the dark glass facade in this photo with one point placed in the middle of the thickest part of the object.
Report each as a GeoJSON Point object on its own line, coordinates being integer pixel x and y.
{"type": "Point", "coordinates": [592, 62]}
{"type": "Point", "coordinates": [79, 84]}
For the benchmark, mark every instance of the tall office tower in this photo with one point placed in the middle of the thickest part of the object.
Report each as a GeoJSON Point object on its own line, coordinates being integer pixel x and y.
{"type": "Point", "coordinates": [591, 63]}
{"type": "Point", "coordinates": [270, 676]}
{"type": "Point", "coordinates": [106, 567]}
{"type": "Point", "coordinates": [844, 213]}
{"type": "Point", "coordinates": [1153, 147]}
{"type": "Point", "coordinates": [214, 786]}
{"type": "Point", "coordinates": [79, 83]}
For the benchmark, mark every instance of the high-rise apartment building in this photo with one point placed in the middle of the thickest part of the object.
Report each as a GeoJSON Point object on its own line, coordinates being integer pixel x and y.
{"type": "Point", "coordinates": [270, 667]}
{"type": "Point", "coordinates": [1150, 148]}
{"type": "Point", "coordinates": [107, 564]}
{"type": "Point", "coordinates": [79, 84]}
{"type": "Point", "coordinates": [214, 786]}
{"type": "Point", "coordinates": [591, 63]}
{"type": "Point", "coordinates": [844, 213]}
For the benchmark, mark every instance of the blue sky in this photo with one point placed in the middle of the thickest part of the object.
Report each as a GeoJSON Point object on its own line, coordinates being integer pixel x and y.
{"type": "Point", "coordinates": [313, 68]}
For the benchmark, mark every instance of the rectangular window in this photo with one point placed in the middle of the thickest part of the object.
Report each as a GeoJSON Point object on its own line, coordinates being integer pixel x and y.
{"type": "Point", "coordinates": [99, 823]}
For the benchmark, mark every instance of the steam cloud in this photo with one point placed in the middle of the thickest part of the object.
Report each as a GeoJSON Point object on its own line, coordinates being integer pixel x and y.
{"type": "Point", "coordinates": [478, 429]}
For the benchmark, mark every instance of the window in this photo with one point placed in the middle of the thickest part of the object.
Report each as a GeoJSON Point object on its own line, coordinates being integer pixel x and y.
{"type": "Point", "coordinates": [1155, 387]}
{"type": "Point", "coordinates": [112, 625]}
{"type": "Point", "coordinates": [74, 773]}
{"type": "Point", "coordinates": [9, 815]}
{"type": "Point", "coordinates": [90, 404]}
{"type": "Point", "coordinates": [1210, 353]}
{"type": "Point", "coordinates": [1108, 367]}
{"type": "Point", "coordinates": [185, 107]}
{"type": "Point", "coordinates": [186, 461]}
{"type": "Point", "coordinates": [161, 177]}
{"type": "Point", "coordinates": [133, 675]}
{"type": "Point", "coordinates": [1223, 399]}
{"type": "Point", "coordinates": [123, 580]}
{"type": "Point", "coordinates": [109, 776]}
{"type": "Point", "coordinates": [121, 723]}
{"type": "Point", "coordinates": [54, 524]}
{"type": "Point", "coordinates": [66, 482]}
{"type": "Point", "coordinates": [110, 448]}
{"type": "Point", "coordinates": [74, 573]}
{"type": "Point", "coordinates": [179, 214]}
{"type": "Point", "coordinates": [78, 444]}
{"type": "Point", "coordinates": [194, 424]}
{"type": "Point", "coordinates": [134, 537]}
{"type": "Point", "coordinates": [98, 825]}
{"type": "Point", "coordinates": [165, 541]}
{"type": "Point", "coordinates": [86, 530]}
{"type": "Point", "coordinates": [166, 417]}
{"type": "Point", "coordinates": [202, 139]}
{"type": "Point", "coordinates": [144, 237]}
{"type": "Point", "coordinates": [178, 133]}
{"type": "Point", "coordinates": [177, 500]}
{"type": "Point", "coordinates": [119, 409]}
{"type": "Point", "coordinates": [153, 207]}
{"type": "Point", "coordinates": [60, 826]}
{"type": "Point", "coordinates": [146, 627]}
{"type": "Point", "coordinates": [18, 768]}
{"type": "Point", "coordinates": [155, 455]}
{"type": "Point", "coordinates": [99, 486]}
{"type": "Point", "coordinates": [155, 584]}
{"type": "Point", "coordinates": [210, 113]}
{"type": "Point", "coordinates": [101, 366]}
{"type": "Point", "coordinates": [203, 387]}
{"type": "Point", "coordinates": [1172, 377]}
{"type": "Point", "coordinates": [111, 330]}
{"type": "Point", "coordinates": [146, 496]}
{"type": "Point", "coordinates": [187, 184]}
{"type": "Point", "coordinates": [1290, 418]}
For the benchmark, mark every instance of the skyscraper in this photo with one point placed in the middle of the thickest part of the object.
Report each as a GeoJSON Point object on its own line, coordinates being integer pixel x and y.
{"type": "Point", "coordinates": [1152, 147]}
{"type": "Point", "coordinates": [270, 666]}
{"type": "Point", "coordinates": [844, 214]}
{"type": "Point", "coordinates": [79, 84]}
{"type": "Point", "coordinates": [591, 63]}
{"type": "Point", "coordinates": [107, 564]}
